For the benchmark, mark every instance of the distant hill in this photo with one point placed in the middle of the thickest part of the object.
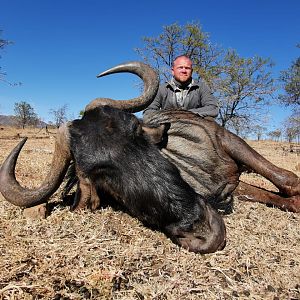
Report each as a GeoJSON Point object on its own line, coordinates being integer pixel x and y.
{"type": "Point", "coordinates": [7, 120]}
{"type": "Point", "coordinates": [11, 121]}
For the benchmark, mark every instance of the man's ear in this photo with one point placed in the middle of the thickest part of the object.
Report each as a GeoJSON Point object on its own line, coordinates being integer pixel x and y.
{"type": "Point", "coordinates": [156, 134]}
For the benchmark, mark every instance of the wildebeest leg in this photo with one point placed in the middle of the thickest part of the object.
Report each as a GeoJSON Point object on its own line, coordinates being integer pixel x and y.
{"type": "Point", "coordinates": [248, 192]}
{"type": "Point", "coordinates": [95, 200]}
{"type": "Point", "coordinates": [287, 182]}
{"type": "Point", "coordinates": [86, 195]}
{"type": "Point", "coordinates": [203, 236]}
{"type": "Point", "coordinates": [82, 196]}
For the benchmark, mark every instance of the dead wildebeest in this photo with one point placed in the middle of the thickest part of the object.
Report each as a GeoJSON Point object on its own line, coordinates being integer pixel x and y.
{"type": "Point", "coordinates": [113, 154]}
{"type": "Point", "coordinates": [209, 157]}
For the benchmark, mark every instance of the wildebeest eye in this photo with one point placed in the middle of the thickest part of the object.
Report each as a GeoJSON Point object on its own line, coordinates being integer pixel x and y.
{"type": "Point", "coordinates": [109, 126]}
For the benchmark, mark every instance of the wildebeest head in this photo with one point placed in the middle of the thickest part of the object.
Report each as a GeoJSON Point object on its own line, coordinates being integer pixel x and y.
{"type": "Point", "coordinates": [112, 152]}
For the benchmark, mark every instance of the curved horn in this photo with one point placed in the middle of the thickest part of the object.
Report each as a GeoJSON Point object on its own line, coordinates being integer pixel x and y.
{"type": "Point", "coordinates": [151, 83]}
{"type": "Point", "coordinates": [13, 192]}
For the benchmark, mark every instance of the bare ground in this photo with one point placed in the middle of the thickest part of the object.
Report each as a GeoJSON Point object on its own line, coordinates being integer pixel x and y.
{"type": "Point", "coordinates": [110, 255]}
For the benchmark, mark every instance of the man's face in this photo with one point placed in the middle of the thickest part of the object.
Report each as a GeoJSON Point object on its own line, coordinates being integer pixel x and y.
{"type": "Point", "coordinates": [182, 69]}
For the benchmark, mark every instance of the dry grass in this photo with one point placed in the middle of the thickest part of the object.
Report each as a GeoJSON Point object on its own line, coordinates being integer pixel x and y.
{"type": "Point", "coordinates": [110, 255]}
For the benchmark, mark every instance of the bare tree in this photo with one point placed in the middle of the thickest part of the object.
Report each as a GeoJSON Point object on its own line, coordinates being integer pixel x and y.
{"type": "Point", "coordinates": [3, 44]}
{"type": "Point", "coordinates": [176, 40]}
{"type": "Point", "coordinates": [275, 135]}
{"type": "Point", "coordinates": [25, 114]}
{"type": "Point", "coordinates": [291, 84]}
{"type": "Point", "coordinates": [59, 115]}
{"type": "Point", "coordinates": [240, 127]}
{"type": "Point", "coordinates": [259, 130]}
{"type": "Point", "coordinates": [242, 85]}
{"type": "Point", "coordinates": [292, 127]}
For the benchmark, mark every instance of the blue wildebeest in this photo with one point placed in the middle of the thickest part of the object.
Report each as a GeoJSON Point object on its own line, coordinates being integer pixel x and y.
{"type": "Point", "coordinates": [114, 152]}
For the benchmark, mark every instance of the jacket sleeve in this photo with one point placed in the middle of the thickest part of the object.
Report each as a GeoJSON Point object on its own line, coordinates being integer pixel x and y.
{"type": "Point", "coordinates": [155, 105]}
{"type": "Point", "coordinates": [209, 103]}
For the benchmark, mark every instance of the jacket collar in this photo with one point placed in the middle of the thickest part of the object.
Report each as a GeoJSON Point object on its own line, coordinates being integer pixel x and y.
{"type": "Point", "coordinates": [173, 86]}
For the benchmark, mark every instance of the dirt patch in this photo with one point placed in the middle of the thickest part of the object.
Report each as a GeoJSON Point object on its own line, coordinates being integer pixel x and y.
{"type": "Point", "coordinates": [110, 255]}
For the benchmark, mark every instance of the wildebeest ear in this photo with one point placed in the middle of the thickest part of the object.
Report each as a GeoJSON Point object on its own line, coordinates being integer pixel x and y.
{"type": "Point", "coordinates": [156, 134]}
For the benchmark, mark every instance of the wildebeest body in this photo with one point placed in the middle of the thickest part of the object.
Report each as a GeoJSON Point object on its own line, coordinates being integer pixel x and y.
{"type": "Point", "coordinates": [211, 159]}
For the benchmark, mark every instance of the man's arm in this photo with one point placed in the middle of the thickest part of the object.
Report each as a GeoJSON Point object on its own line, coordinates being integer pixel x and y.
{"type": "Point", "coordinates": [209, 103]}
{"type": "Point", "coordinates": [206, 111]}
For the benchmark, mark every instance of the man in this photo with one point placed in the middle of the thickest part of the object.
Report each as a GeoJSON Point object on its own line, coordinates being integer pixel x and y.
{"type": "Point", "coordinates": [182, 92]}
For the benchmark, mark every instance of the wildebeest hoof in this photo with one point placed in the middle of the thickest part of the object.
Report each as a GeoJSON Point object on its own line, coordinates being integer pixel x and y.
{"type": "Point", "coordinates": [292, 204]}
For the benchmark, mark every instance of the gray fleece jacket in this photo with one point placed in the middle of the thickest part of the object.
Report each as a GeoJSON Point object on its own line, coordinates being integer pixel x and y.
{"type": "Point", "coordinates": [196, 97]}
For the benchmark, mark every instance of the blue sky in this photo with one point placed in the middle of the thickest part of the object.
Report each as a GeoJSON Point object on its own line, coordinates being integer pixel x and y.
{"type": "Point", "coordinates": [60, 46]}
